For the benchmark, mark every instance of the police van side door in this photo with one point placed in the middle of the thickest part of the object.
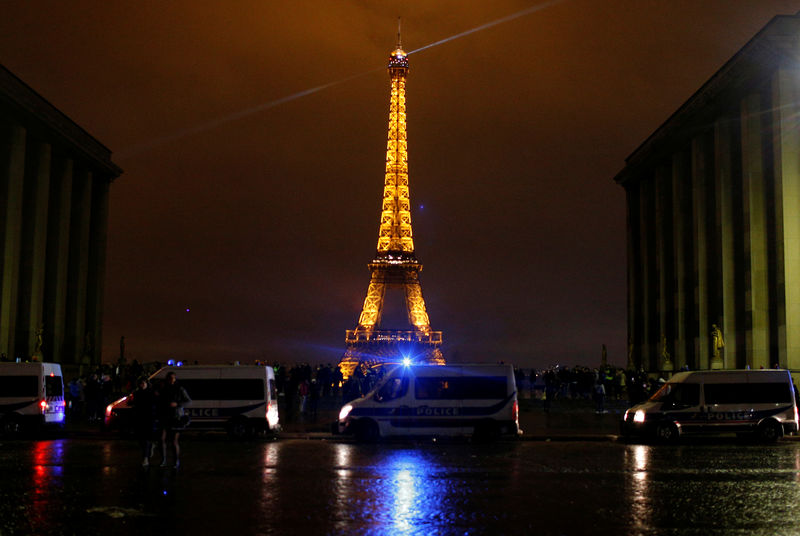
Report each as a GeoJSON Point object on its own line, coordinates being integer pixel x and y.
{"type": "Point", "coordinates": [438, 404]}
{"type": "Point", "coordinates": [682, 407]}
{"type": "Point", "coordinates": [392, 405]}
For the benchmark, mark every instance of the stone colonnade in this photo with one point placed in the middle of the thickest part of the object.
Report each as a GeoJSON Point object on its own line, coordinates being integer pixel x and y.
{"type": "Point", "coordinates": [53, 224]}
{"type": "Point", "coordinates": [714, 237]}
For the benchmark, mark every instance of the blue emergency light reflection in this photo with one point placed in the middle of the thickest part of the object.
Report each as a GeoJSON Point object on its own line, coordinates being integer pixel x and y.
{"type": "Point", "coordinates": [404, 503]}
{"type": "Point", "coordinates": [412, 491]}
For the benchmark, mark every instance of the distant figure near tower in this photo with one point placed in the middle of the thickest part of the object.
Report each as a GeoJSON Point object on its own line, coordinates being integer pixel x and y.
{"type": "Point", "coordinates": [395, 266]}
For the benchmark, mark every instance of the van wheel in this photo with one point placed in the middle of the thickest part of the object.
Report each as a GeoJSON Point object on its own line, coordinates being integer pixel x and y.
{"type": "Point", "coordinates": [11, 426]}
{"type": "Point", "coordinates": [238, 429]}
{"type": "Point", "coordinates": [770, 431]}
{"type": "Point", "coordinates": [667, 432]}
{"type": "Point", "coordinates": [367, 431]}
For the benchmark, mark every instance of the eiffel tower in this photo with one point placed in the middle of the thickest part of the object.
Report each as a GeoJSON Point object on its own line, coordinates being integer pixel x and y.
{"type": "Point", "coordinates": [395, 267]}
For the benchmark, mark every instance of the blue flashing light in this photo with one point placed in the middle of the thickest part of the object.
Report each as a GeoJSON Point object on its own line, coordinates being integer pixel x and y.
{"type": "Point", "coordinates": [179, 364]}
{"type": "Point", "coordinates": [170, 362]}
{"type": "Point", "coordinates": [406, 362]}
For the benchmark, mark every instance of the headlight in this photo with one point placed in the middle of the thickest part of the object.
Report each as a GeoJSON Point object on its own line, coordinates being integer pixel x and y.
{"type": "Point", "coordinates": [345, 411]}
{"type": "Point", "coordinates": [638, 416]}
{"type": "Point", "coordinates": [625, 417]}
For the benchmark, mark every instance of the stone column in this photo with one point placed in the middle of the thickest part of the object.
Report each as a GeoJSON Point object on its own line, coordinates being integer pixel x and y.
{"type": "Point", "coordinates": [76, 334]}
{"type": "Point", "coordinates": [786, 147]}
{"type": "Point", "coordinates": [663, 222]}
{"type": "Point", "coordinates": [97, 265]}
{"type": "Point", "coordinates": [701, 231]}
{"type": "Point", "coordinates": [647, 251]}
{"type": "Point", "coordinates": [634, 276]}
{"type": "Point", "coordinates": [12, 175]}
{"type": "Point", "coordinates": [682, 233]}
{"type": "Point", "coordinates": [33, 250]}
{"type": "Point", "coordinates": [727, 229]}
{"type": "Point", "coordinates": [754, 204]}
{"type": "Point", "coordinates": [56, 282]}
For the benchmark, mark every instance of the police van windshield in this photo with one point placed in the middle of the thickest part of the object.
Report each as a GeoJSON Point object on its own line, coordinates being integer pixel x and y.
{"type": "Point", "coordinates": [678, 393]}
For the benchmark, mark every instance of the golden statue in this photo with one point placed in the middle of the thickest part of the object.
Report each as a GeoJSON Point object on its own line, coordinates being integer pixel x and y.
{"type": "Point", "coordinates": [717, 343]}
{"type": "Point", "coordinates": [37, 350]}
{"type": "Point", "coordinates": [666, 359]}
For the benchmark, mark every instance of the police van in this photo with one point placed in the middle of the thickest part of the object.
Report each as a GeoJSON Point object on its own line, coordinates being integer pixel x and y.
{"type": "Point", "coordinates": [241, 400]}
{"type": "Point", "coordinates": [756, 402]}
{"type": "Point", "coordinates": [434, 400]}
{"type": "Point", "coordinates": [31, 397]}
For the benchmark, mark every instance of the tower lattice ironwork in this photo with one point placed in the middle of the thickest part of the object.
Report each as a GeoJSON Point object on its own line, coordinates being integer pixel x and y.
{"type": "Point", "coordinates": [395, 264]}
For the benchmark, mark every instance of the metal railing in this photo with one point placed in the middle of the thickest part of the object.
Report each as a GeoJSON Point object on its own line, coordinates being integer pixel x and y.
{"type": "Point", "coordinates": [430, 337]}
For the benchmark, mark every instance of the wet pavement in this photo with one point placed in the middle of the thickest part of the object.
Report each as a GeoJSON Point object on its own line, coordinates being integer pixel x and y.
{"type": "Point", "coordinates": [94, 485]}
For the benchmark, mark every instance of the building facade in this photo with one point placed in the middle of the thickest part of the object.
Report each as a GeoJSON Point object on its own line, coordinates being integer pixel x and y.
{"type": "Point", "coordinates": [713, 218]}
{"type": "Point", "coordinates": [54, 184]}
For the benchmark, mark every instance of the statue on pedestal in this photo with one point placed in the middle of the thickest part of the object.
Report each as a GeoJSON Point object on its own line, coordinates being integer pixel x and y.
{"type": "Point", "coordinates": [37, 350]}
{"type": "Point", "coordinates": [666, 359]}
{"type": "Point", "coordinates": [717, 344]}
{"type": "Point", "coordinates": [631, 364]}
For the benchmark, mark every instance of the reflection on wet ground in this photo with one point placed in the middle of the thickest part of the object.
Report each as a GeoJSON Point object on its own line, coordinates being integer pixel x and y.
{"type": "Point", "coordinates": [85, 486]}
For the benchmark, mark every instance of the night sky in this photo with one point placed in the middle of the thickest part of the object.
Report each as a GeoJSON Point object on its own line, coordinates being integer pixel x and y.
{"type": "Point", "coordinates": [249, 206]}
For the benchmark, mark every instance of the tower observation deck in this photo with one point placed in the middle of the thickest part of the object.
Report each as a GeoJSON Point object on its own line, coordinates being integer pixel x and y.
{"type": "Point", "coordinates": [395, 265]}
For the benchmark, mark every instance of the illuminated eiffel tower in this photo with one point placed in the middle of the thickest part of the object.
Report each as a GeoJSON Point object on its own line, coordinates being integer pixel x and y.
{"type": "Point", "coordinates": [395, 266]}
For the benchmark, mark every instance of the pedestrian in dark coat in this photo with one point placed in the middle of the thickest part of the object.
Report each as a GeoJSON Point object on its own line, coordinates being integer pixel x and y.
{"type": "Point", "coordinates": [143, 401]}
{"type": "Point", "coordinates": [171, 400]}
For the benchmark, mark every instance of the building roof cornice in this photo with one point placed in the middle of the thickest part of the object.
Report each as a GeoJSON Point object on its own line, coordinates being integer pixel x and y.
{"type": "Point", "coordinates": [23, 100]}
{"type": "Point", "coordinates": [775, 44]}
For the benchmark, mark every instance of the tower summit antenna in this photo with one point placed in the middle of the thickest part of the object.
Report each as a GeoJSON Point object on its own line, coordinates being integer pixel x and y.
{"type": "Point", "coordinates": [399, 43]}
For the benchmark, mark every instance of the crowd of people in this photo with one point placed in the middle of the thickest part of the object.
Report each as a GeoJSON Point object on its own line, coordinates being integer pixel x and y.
{"type": "Point", "coordinates": [88, 395]}
{"type": "Point", "coordinates": [585, 383]}
{"type": "Point", "coordinates": [158, 409]}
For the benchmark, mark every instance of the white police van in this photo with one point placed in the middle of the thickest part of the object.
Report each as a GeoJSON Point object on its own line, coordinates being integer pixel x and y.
{"type": "Point", "coordinates": [31, 397]}
{"type": "Point", "coordinates": [434, 400]}
{"type": "Point", "coordinates": [760, 402]}
{"type": "Point", "coordinates": [237, 398]}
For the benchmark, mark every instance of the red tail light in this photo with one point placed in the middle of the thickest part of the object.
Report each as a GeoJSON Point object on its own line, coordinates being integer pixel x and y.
{"type": "Point", "coordinates": [43, 405]}
{"type": "Point", "coordinates": [515, 411]}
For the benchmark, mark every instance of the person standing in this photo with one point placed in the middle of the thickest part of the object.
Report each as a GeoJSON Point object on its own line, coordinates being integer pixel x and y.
{"type": "Point", "coordinates": [171, 400]}
{"type": "Point", "coordinates": [600, 396]}
{"type": "Point", "coordinates": [144, 418]}
{"type": "Point", "coordinates": [303, 390]}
